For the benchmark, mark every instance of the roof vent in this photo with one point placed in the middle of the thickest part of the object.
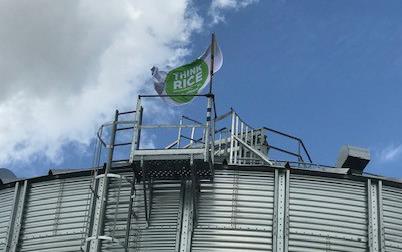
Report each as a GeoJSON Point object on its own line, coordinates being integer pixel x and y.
{"type": "Point", "coordinates": [6, 176]}
{"type": "Point", "coordinates": [354, 158]}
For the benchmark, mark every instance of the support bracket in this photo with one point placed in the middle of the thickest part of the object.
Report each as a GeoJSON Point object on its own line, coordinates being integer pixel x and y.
{"type": "Point", "coordinates": [16, 216]}
{"type": "Point", "coordinates": [187, 220]}
{"type": "Point", "coordinates": [281, 210]}
{"type": "Point", "coordinates": [375, 232]}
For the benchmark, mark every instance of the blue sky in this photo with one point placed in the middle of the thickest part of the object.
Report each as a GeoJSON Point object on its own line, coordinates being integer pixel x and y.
{"type": "Point", "coordinates": [326, 71]}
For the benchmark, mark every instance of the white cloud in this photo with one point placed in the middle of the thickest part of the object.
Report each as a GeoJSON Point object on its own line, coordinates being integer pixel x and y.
{"type": "Point", "coordinates": [65, 66]}
{"type": "Point", "coordinates": [218, 6]}
{"type": "Point", "coordinates": [391, 153]}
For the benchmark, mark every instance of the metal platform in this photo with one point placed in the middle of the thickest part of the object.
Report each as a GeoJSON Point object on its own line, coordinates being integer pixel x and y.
{"type": "Point", "coordinates": [172, 169]}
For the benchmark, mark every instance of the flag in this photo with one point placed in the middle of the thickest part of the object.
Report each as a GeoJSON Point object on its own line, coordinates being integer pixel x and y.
{"type": "Point", "coordinates": [189, 79]}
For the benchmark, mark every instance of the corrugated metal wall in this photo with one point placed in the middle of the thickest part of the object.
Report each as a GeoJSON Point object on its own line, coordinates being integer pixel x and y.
{"type": "Point", "coordinates": [235, 212]}
{"type": "Point", "coordinates": [327, 214]}
{"type": "Point", "coordinates": [160, 235]}
{"type": "Point", "coordinates": [392, 211]}
{"type": "Point", "coordinates": [55, 215]}
{"type": "Point", "coordinates": [6, 203]}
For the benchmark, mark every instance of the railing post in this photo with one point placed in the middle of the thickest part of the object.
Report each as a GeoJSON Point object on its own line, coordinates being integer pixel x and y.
{"type": "Point", "coordinates": [179, 133]}
{"type": "Point", "coordinates": [208, 129]}
{"type": "Point", "coordinates": [246, 161]}
{"type": "Point", "coordinates": [236, 143]}
{"type": "Point", "coordinates": [220, 143]}
{"type": "Point", "coordinates": [241, 149]}
{"type": "Point", "coordinates": [212, 131]}
{"type": "Point", "coordinates": [137, 129]}
{"type": "Point", "coordinates": [192, 136]}
{"type": "Point", "coordinates": [232, 138]}
{"type": "Point", "coordinates": [111, 144]}
{"type": "Point", "coordinates": [226, 142]}
{"type": "Point", "coordinates": [252, 158]}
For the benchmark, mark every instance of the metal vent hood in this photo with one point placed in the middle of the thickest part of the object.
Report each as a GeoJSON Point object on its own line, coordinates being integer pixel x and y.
{"type": "Point", "coordinates": [7, 176]}
{"type": "Point", "coordinates": [354, 158]}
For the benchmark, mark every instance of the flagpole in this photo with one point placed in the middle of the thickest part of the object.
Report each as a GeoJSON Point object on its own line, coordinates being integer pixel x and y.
{"type": "Point", "coordinates": [212, 68]}
{"type": "Point", "coordinates": [212, 61]}
{"type": "Point", "coordinates": [209, 155]}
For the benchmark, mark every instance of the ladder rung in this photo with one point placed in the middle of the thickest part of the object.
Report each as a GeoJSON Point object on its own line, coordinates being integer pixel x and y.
{"type": "Point", "coordinates": [127, 112]}
{"type": "Point", "coordinates": [122, 144]}
{"type": "Point", "coordinates": [125, 128]}
{"type": "Point", "coordinates": [120, 160]}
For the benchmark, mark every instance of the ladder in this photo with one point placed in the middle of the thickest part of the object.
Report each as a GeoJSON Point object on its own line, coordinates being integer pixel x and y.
{"type": "Point", "coordinates": [197, 156]}
{"type": "Point", "coordinates": [99, 186]}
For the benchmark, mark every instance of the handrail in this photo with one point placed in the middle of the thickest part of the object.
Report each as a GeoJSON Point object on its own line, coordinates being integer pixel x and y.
{"type": "Point", "coordinates": [241, 120]}
{"type": "Point", "coordinates": [191, 119]}
{"type": "Point", "coordinates": [285, 151]}
{"type": "Point", "coordinates": [158, 126]}
{"type": "Point", "coordinates": [108, 124]}
{"type": "Point", "coordinates": [171, 145]}
{"type": "Point", "coordinates": [301, 164]}
{"type": "Point", "coordinates": [221, 129]}
{"type": "Point", "coordinates": [195, 140]}
{"type": "Point", "coordinates": [98, 134]}
{"type": "Point", "coordinates": [305, 150]}
{"type": "Point", "coordinates": [291, 137]}
{"type": "Point", "coordinates": [223, 116]}
{"type": "Point", "coordinates": [259, 154]}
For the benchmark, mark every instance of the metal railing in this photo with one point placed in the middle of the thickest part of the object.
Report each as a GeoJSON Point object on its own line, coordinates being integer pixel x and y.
{"type": "Point", "coordinates": [301, 148]}
{"type": "Point", "coordinates": [243, 144]}
{"type": "Point", "coordinates": [183, 145]}
{"type": "Point", "coordinates": [240, 143]}
{"type": "Point", "coordinates": [236, 142]}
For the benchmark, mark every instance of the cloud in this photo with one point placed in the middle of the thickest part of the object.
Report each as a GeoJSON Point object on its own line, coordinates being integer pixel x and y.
{"type": "Point", "coordinates": [65, 65]}
{"type": "Point", "coordinates": [391, 153]}
{"type": "Point", "coordinates": [219, 6]}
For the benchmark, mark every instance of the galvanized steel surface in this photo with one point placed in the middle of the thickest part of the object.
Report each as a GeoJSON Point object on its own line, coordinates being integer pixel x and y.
{"type": "Point", "coordinates": [55, 215]}
{"type": "Point", "coordinates": [6, 203]}
{"type": "Point", "coordinates": [392, 208]}
{"type": "Point", "coordinates": [235, 212]}
{"type": "Point", "coordinates": [327, 214]}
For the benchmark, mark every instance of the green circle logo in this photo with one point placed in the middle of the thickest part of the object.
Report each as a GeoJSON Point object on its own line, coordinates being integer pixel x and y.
{"type": "Point", "coordinates": [186, 80]}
